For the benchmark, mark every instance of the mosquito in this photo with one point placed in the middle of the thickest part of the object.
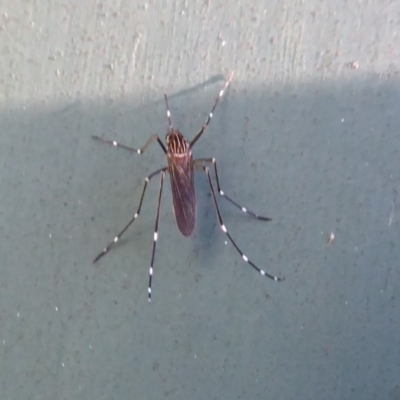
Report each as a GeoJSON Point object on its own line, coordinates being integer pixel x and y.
{"type": "Point", "coordinates": [181, 167]}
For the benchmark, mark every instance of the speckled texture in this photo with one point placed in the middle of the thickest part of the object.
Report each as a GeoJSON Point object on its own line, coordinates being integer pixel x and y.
{"type": "Point", "coordinates": [308, 134]}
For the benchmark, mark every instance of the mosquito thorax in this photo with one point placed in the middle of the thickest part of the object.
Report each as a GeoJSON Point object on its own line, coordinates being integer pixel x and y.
{"type": "Point", "coordinates": [176, 142]}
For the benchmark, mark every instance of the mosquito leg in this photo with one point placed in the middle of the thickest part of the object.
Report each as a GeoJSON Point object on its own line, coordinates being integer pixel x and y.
{"type": "Point", "coordinates": [170, 127]}
{"type": "Point", "coordinates": [204, 127]}
{"type": "Point", "coordinates": [116, 238]}
{"type": "Point", "coordinates": [131, 149]}
{"type": "Point", "coordinates": [155, 235]}
{"type": "Point", "coordinates": [199, 163]}
{"type": "Point", "coordinates": [223, 228]}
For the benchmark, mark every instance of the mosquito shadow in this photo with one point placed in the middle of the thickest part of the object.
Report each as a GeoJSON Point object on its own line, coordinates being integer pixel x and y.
{"type": "Point", "coordinates": [195, 88]}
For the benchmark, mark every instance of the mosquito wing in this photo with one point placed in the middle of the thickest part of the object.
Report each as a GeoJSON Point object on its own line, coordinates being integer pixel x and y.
{"type": "Point", "coordinates": [183, 195]}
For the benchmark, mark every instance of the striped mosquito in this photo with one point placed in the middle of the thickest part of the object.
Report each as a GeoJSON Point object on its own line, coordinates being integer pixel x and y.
{"type": "Point", "coordinates": [181, 167]}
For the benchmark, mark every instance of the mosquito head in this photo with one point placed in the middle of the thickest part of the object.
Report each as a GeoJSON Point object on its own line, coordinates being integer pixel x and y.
{"type": "Point", "coordinates": [176, 142]}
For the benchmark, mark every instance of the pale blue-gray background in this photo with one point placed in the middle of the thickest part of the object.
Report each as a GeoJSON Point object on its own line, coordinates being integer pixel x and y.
{"type": "Point", "coordinates": [307, 134]}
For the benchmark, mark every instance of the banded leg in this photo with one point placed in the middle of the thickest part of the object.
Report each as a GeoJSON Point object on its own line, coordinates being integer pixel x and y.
{"type": "Point", "coordinates": [131, 149]}
{"type": "Point", "coordinates": [199, 164]}
{"type": "Point", "coordinates": [155, 236]}
{"type": "Point", "coordinates": [115, 240]}
{"type": "Point", "coordinates": [170, 127]}
{"type": "Point", "coordinates": [223, 228]}
{"type": "Point", "coordinates": [204, 127]}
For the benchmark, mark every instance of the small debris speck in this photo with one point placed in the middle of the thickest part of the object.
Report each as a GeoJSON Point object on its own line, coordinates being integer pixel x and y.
{"type": "Point", "coordinates": [355, 65]}
{"type": "Point", "coordinates": [331, 238]}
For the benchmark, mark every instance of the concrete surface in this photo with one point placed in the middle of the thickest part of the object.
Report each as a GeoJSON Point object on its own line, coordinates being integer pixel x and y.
{"type": "Point", "coordinates": [308, 134]}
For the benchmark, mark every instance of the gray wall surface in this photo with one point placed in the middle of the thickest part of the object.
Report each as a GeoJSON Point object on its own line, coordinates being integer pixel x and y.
{"type": "Point", "coordinates": [308, 134]}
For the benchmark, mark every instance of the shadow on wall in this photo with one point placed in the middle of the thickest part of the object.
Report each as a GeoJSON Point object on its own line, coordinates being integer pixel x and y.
{"type": "Point", "coordinates": [317, 159]}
